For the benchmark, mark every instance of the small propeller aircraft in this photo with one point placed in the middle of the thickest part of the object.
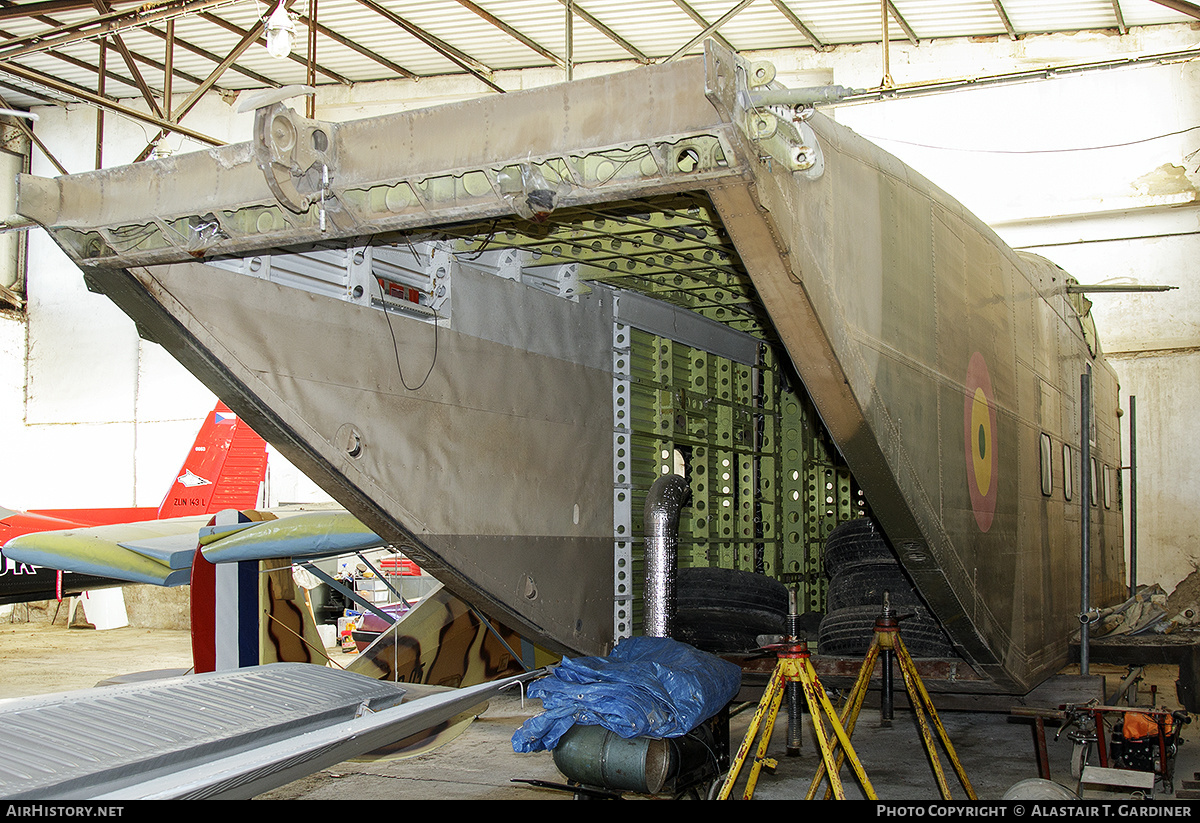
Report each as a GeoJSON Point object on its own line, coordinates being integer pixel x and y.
{"type": "Point", "coordinates": [223, 469]}
{"type": "Point", "coordinates": [424, 681]}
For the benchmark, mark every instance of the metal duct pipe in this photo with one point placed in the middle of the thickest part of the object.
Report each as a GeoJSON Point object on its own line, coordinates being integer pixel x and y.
{"type": "Point", "coordinates": [1085, 518]}
{"type": "Point", "coordinates": [595, 756]}
{"type": "Point", "coordinates": [1132, 495]}
{"type": "Point", "coordinates": [660, 529]}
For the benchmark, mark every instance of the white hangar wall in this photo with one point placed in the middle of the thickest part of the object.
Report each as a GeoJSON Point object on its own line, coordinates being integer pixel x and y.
{"type": "Point", "coordinates": [92, 416]}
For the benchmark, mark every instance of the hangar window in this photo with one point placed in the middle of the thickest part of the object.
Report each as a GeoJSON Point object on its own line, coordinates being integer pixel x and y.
{"type": "Point", "coordinates": [1047, 464]}
{"type": "Point", "coordinates": [1068, 473]}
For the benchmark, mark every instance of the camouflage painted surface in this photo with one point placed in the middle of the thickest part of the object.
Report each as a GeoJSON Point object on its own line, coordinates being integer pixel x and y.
{"type": "Point", "coordinates": [443, 642]}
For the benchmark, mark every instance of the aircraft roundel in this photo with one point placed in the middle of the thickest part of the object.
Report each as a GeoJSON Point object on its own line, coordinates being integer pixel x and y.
{"type": "Point", "coordinates": [983, 460]}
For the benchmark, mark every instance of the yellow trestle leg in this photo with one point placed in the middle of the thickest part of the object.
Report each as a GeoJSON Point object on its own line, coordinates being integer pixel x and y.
{"type": "Point", "coordinates": [794, 666]}
{"type": "Point", "coordinates": [887, 638]}
{"type": "Point", "coordinates": [832, 730]}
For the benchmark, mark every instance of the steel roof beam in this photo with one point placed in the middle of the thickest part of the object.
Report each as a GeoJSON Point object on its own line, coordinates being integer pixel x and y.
{"type": "Point", "coordinates": [103, 7]}
{"type": "Point", "coordinates": [1120, 17]}
{"type": "Point", "coordinates": [900, 21]}
{"type": "Point", "coordinates": [591, 20]}
{"type": "Point", "coordinates": [183, 44]}
{"type": "Point", "coordinates": [249, 38]}
{"type": "Point", "coordinates": [112, 75]}
{"type": "Point", "coordinates": [1002, 13]}
{"type": "Point", "coordinates": [1181, 6]}
{"type": "Point", "coordinates": [295, 58]}
{"type": "Point", "coordinates": [103, 25]}
{"type": "Point", "coordinates": [161, 66]}
{"type": "Point", "coordinates": [168, 68]}
{"type": "Point", "coordinates": [709, 29]}
{"type": "Point", "coordinates": [8, 4]}
{"type": "Point", "coordinates": [44, 98]}
{"type": "Point", "coordinates": [341, 40]}
{"type": "Point", "coordinates": [1021, 76]}
{"type": "Point", "coordinates": [72, 90]}
{"type": "Point", "coordinates": [702, 23]}
{"type": "Point", "coordinates": [208, 55]}
{"type": "Point", "coordinates": [101, 89]}
{"type": "Point", "coordinates": [13, 11]}
{"type": "Point", "coordinates": [462, 60]}
{"type": "Point", "coordinates": [799, 24]}
{"type": "Point", "coordinates": [148, 61]}
{"type": "Point", "coordinates": [23, 126]}
{"type": "Point", "coordinates": [77, 63]}
{"type": "Point", "coordinates": [514, 33]}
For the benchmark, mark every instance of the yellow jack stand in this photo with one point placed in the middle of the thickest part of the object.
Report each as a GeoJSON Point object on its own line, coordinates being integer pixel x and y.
{"type": "Point", "coordinates": [794, 666]}
{"type": "Point", "coordinates": [887, 639]}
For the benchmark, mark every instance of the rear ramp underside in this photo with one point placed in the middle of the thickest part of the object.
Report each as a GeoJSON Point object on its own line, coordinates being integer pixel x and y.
{"type": "Point", "coordinates": [220, 735]}
{"type": "Point", "coordinates": [486, 327]}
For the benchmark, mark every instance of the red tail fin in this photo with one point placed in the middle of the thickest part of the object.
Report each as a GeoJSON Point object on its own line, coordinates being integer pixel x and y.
{"type": "Point", "coordinates": [223, 470]}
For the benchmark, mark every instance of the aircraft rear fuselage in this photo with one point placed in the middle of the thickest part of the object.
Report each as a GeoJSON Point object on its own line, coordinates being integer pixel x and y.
{"type": "Point", "coordinates": [486, 328]}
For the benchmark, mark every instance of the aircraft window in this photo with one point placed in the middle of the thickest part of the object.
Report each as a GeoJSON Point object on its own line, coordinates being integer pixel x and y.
{"type": "Point", "coordinates": [1108, 487]}
{"type": "Point", "coordinates": [1094, 483]}
{"type": "Point", "coordinates": [1047, 464]}
{"type": "Point", "coordinates": [1068, 473]}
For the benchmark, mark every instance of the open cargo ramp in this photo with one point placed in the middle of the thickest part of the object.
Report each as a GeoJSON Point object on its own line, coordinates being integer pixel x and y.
{"type": "Point", "coordinates": [218, 735]}
{"type": "Point", "coordinates": [486, 327]}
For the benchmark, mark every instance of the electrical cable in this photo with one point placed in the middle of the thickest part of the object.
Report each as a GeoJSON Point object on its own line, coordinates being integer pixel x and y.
{"type": "Point", "coordinates": [396, 346]}
{"type": "Point", "coordinates": [1034, 151]}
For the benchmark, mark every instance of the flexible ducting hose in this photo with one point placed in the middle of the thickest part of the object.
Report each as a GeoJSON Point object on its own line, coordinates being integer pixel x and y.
{"type": "Point", "coordinates": [661, 532]}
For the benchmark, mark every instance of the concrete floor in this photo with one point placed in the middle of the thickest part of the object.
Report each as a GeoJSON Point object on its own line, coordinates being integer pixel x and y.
{"type": "Point", "coordinates": [480, 765]}
{"type": "Point", "coordinates": [996, 749]}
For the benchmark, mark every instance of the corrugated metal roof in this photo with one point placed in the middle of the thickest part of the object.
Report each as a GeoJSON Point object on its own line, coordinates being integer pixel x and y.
{"type": "Point", "coordinates": [368, 40]}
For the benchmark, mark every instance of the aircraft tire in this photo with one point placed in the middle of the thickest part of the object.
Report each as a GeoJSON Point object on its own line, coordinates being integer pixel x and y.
{"type": "Point", "coordinates": [848, 633]}
{"type": "Point", "coordinates": [731, 588]}
{"type": "Point", "coordinates": [725, 610]}
{"type": "Point", "coordinates": [853, 542]}
{"type": "Point", "coordinates": [722, 630]}
{"type": "Point", "coordinates": [865, 583]}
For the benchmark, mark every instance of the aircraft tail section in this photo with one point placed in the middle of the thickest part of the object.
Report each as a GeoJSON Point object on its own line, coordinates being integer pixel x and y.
{"type": "Point", "coordinates": [223, 470]}
{"type": "Point", "coordinates": [249, 612]}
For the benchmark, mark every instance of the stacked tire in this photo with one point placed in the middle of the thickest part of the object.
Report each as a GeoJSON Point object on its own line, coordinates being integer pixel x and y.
{"type": "Point", "coordinates": [725, 610]}
{"type": "Point", "coordinates": [861, 566]}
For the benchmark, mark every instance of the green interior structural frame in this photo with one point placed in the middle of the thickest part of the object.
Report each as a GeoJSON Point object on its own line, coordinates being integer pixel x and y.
{"type": "Point", "coordinates": [767, 484]}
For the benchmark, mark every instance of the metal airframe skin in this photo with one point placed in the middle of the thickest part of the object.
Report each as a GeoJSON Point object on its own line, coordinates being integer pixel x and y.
{"type": "Point", "coordinates": [480, 427]}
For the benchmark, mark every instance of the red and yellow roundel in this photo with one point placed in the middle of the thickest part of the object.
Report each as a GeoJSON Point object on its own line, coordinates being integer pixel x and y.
{"type": "Point", "coordinates": [983, 462]}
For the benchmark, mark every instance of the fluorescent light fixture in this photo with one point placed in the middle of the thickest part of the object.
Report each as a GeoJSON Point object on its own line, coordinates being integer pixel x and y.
{"type": "Point", "coordinates": [281, 33]}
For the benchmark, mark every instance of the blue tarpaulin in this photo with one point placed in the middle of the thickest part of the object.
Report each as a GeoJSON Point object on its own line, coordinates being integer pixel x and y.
{"type": "Point", "coordinates": [647, 687]}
